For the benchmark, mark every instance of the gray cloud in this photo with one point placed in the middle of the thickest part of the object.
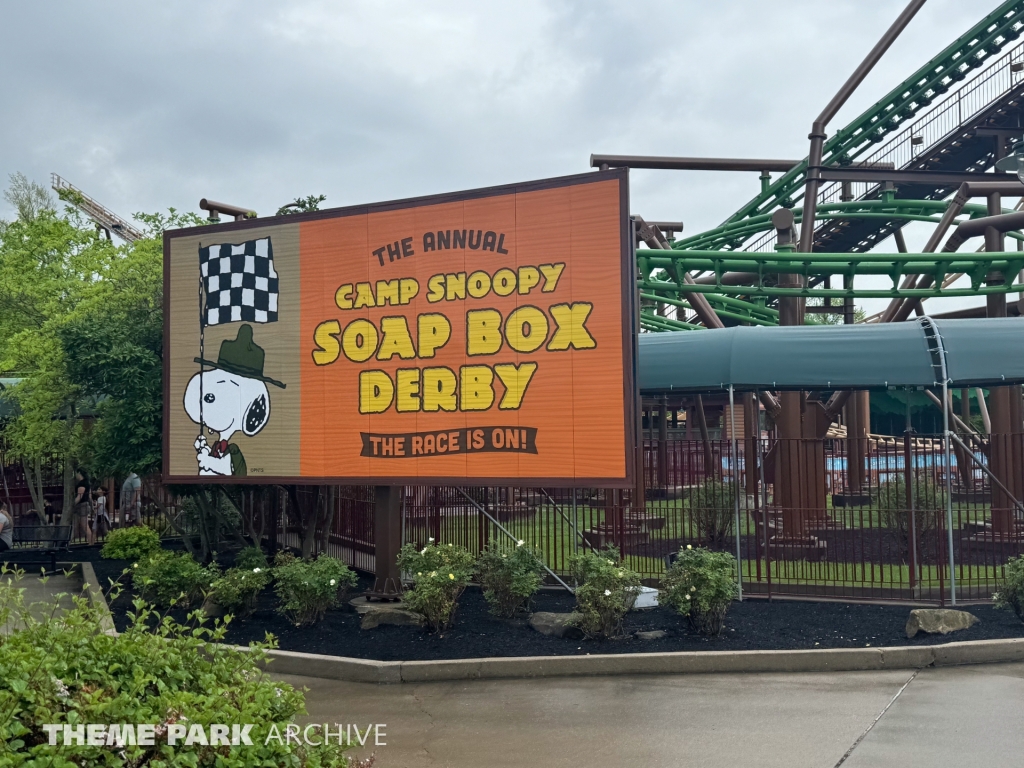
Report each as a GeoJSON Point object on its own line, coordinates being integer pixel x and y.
{"type": "Point", "coordinates": [147, 106]}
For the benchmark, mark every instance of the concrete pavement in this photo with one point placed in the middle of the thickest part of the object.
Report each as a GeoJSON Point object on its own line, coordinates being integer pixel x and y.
{"type": "Point", "coordinates": [959, 716]}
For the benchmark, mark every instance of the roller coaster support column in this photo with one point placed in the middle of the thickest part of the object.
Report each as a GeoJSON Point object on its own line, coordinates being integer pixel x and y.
{"type": "Point", "coordinates": [817, 135]}
{"type": "Point", "coordinates": [790, 463]}
{"type": "Point", "coordinates": [1004, 405]}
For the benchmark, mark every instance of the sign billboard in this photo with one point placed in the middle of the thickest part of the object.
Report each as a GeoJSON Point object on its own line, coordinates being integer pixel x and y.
{"type": "Point", "coordinates": [474, 338]}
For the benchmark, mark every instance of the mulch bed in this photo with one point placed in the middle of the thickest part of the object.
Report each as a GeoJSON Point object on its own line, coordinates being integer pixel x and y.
{"type": "Point", "coordinates": [754, 624]}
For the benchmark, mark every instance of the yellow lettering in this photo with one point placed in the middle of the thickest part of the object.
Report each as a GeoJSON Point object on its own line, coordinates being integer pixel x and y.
{"type": "Point", "coordinates": [456, 286]}
{"type": "Point", "coordinates": [326, 339]}
{"type": "Point", "coordinates": [364, 296]}
{"type": "Point", "coordinates": [479, 284]}
{"type": "Point", "coordinates": [439, 385]}
{"type": "Point", "coordinates": [375, 391]}
{"type": "Point", "coordinates": [516, 379]}
{"type": "Point", "coordinates": [387, 293]}
{"type": "Point", "coordinates": [435, 289]}
{"type": "Point", "coordinates": [409, 289]}
{"type": "Point", "coordinates": [551, 274]}
{"type": "Point", "coordinates": [343, 298]}
{"type": "Point", "coordinates": [569, 327]}
{"type": "Point", "coordinates": [528, 278]}
{"type": "Point", "coordinates": [407, 390]}
{"type": "Point", "coordinates": [397, 340]}
{"type": "Point", "coordinates": [483, 331]}
{"type": "Point", "coordinates": [504, 282]}
{"type": "Point", "coordinates": [434, 331]}
{"type": "Point", "coordinates": [359, 341]}
{"type": "Point", "coordinates": [526, 329]}
{"type": "Point", "coordinates": [475, 390]}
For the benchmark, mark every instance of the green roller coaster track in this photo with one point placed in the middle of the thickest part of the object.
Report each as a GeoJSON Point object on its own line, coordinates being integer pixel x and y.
{"type": "Point", "coordinates": [715, 252]}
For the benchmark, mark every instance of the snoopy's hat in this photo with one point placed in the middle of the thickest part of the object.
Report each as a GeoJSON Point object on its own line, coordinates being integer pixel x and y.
{"type": "Point", "coordinates": [242, 357]}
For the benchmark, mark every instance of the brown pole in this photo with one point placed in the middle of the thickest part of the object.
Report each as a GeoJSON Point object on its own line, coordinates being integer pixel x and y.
{"type": "Point", "coordinates": [387, 541]}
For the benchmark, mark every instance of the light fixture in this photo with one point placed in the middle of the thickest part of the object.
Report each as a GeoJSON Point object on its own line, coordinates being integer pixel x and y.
{"type": "Point", "coordinates": [1017, 66]}
{"type": "Point", "coordinates": [917, 141]}
{"type": "Point", "coordinates": [1014, 162]}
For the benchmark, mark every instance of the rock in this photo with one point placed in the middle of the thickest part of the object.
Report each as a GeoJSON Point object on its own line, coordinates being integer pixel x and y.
{"type": "Point", "coordinates": [211, 608]}
{"type": "Point", "coordinates": [555, 624]}
{"type": "Point", "coordinates": [939, 621]}
{"type": "Point", "coordinates": [385, 613]}
{"type": "Point", "coordinates": [646, 598]}
{"type": "Point", "coordinates": [654, 634]}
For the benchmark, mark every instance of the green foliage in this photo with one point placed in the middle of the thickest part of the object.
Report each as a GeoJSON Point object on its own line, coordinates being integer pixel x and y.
{"type": "Point", "coordinates": [606, 590]}
{"type": "Point", "coordinates": [302, 205]}
{"type": "Point", "coordinates": [712, 508]}
{"type": "Point", "coordinates": [130, 543]}
{"type": "Point", "coordinates": [172, 579]}
{"type": "Point", "coordinates": [510, 576]}
{"type": "Point", "coordinates": [239, 588]}
{"type": "Point", "coordinates": [439, 573]}
{"type": "Point", "coordinates": [59, 666]}
{"type": "Point", "coordinates": [284, 557]}
{"type": "Point", "coordinates": [306, 589]}
{"type": "Point", "coordinates": [929, 501]}
{"type": "Point", "coordinates": [1011, 596]}
{"type": "Point", "coordinates": [251, 557]}
{"type": "Point", "coordinates": [701, 584]}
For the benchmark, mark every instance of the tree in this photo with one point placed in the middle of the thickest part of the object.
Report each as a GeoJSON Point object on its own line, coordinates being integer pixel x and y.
{"type": "Point", "coordinates": [302, 205]}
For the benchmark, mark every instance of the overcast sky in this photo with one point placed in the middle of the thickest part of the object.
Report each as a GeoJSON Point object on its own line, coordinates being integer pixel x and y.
{"type": "Point", "coordinates": [146, 105]}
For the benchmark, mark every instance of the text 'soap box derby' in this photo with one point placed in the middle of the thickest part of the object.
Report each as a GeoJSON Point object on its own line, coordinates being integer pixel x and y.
{"type": "Point", "coordinates": [477, 337]}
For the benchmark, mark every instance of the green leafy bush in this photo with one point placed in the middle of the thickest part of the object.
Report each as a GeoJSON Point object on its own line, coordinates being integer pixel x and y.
{"type": "Point", "coordinates": [251, 557]}
{"type": "Point", "coordinates": [172, 579]}
{"type": "Point", "coordinates": [439, 574]}
{"type": "Point", "coordinates": [1011, 596]}
{"type": "Point", "coordinates": [712, 508]}
{"type": "Point", "coordinates": [59, 666]}
{"type": "Point", "coordinates": [701, 584]}
{"type": "Point", "coordinates": [510, 576]}
{"type": "Point", "coordinates": [239, 588]}
{"type": "Point", "coordinates": [306, 589]}
{"type": "Point", "coordinates": [929, 502]}
{"type": "Point", "coordinates": [132, 543]}
{"type": "Point", "coordinates": [606, 590]}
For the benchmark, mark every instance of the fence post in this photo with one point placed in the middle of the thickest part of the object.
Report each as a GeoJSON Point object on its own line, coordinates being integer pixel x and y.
{"type": "Point", "coordinates": [735, 463]}
{"type": "Point", "coordinates": [949, 490]}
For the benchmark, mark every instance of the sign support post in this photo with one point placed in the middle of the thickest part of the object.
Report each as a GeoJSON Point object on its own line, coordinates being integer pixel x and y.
{"type": "Point", "coordinates": [387, 538]}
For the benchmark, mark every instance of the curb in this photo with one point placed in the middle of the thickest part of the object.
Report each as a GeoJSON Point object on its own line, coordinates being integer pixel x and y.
{"type": "Point", "coordinates": [674, 663]}
{"type": "Point", "coordinates": [609, 664]}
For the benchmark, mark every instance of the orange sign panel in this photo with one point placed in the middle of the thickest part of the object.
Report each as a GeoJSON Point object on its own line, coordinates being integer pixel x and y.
{"type": "Point", "coordinates": [479, 337]}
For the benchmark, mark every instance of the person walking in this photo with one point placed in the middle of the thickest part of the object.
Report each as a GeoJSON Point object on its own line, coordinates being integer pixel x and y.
{"type": "Point", "coordinates": [101, 519]}
{"type": "Point", "coordinates": [131, 500]}
{"type": "Point", "coordinates": [82, 508]}
{"type": "Point", "coordinates": [6, 528]}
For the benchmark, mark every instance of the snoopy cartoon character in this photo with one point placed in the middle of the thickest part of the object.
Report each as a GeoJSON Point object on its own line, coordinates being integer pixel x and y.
{"type": "Point", "coordinates": [231, 397]}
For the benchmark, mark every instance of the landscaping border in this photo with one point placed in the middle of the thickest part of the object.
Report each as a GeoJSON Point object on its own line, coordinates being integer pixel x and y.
{"type": "Point", "coordinates": [670, 663]}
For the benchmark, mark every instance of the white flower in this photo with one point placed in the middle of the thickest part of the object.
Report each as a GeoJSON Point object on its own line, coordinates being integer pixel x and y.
{"type": "Point", "coordinates": [277, 693]}
{"type": "Point", "coordinates": [686, 596]}
{"type": "Point", "coordinates": [333, 582]}
{"type": "Point", "coordinates": [451, 576]}
{"type": "Point", "coordinates": [622, 573]}
{"type": "Point", "coordinates": [520, 543]}
{"type": "Point", "coordinates": [693, 589]}
{"type": "Point", "coordinates": [433, 574]}
{"type": "Point", "coordinates": [423, 551]}
{"type": "Point", "coordinates": [431, 540]}
{"type": "Point", "coordinates": [689, 546]}
{"type": "Point", "coordinates": [609, 562]}
{"type": "Point", "coordinates": [607, 592]}
{"type": "Point", "coordinates": [62, 689]}
{"type": "Point", "coordinates": [256, 570]}
{"type": "Point", "coordinates": [419, 573]}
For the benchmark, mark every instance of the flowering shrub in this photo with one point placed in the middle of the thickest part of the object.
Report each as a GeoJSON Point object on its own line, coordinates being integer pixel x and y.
{"type": "Point", "coordinates": [712, 507]}
{"type": "Point", "coordinates": [132, 543]}
{"type": "Point", "coordinates": [306, 589]}
{"type": "Point", "coordinates": [1011, 596]}
{"type": "Point", "coordinates": [251, 557]}
{"type": "Point", "coordinates": [239, 588]}
{"type": "Point", "coordinates": [700, 584]}
{"type": "Point", "coordinates": [606, 590]}
{"type": "Point", "coordinates": [439, 575]}
{"type": "Point", "coordinates": [58, 666]}
{"type": "Point", "coordinates": [510, 576]}
{"type": "Point", "coordinates": [172, 579]}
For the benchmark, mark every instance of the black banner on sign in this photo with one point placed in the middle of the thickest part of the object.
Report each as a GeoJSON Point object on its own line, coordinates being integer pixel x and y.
{"type": "Point", "coordinates": [441, 442]}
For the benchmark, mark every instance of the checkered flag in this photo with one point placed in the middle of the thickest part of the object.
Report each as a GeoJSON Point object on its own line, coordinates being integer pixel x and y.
{"type": "Point", "coordinates": [240, 282]}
